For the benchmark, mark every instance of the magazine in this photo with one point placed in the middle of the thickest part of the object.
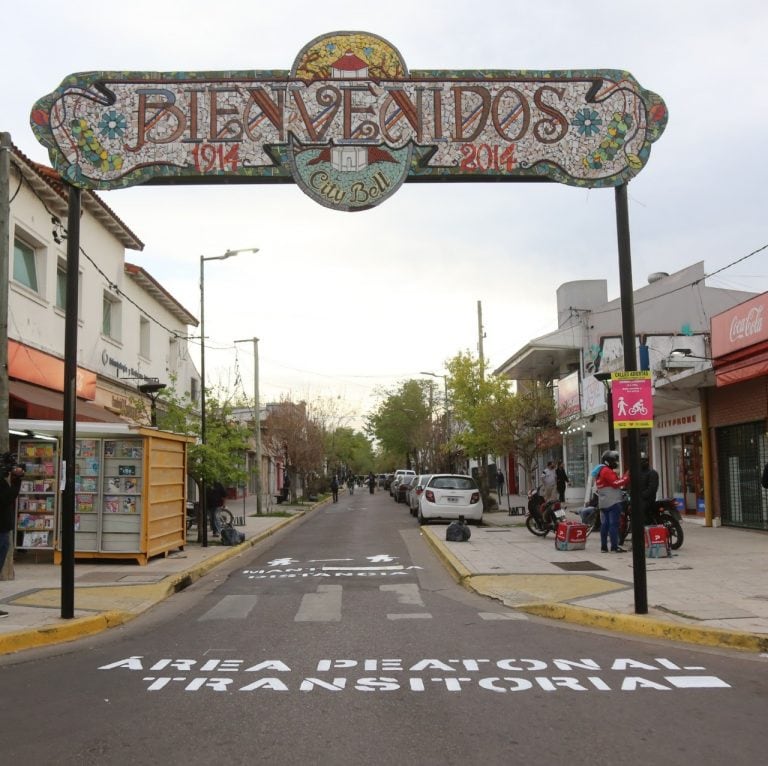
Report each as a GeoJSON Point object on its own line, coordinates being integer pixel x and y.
{"type": "Point", "coordinates": [111, 504]}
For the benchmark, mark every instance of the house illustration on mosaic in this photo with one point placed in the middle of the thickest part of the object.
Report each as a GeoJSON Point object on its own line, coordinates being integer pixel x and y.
{"type": "Point", "coordinates": [349, 158]}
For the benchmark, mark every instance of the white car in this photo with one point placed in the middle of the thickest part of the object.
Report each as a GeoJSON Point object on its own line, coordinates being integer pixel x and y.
{"type": "Point", "coordinates": [448, 496]}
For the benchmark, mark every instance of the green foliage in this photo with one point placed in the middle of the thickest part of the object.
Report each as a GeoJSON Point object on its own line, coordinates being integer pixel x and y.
{"type": "Point", "coordinates": [349, 448]}
{"type": "Point", "coordinates": [402, 424]}
{"type": "Point", "coordinates": [221, 458]}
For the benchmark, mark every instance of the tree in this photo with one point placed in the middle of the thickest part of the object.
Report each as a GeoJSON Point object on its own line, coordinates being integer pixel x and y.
{"type": "Point", "coordinates": [290, 431]}
{"type": "Point", "coordinates": [222, 456]}
{"type": "Point", "coordinates": [402, 424]}
{"type": "Point", "coordinates": [350, 449]}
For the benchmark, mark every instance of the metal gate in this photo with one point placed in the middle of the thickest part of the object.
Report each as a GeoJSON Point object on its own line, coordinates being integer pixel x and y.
{"type": "Point", "coordinates": [741, 454]}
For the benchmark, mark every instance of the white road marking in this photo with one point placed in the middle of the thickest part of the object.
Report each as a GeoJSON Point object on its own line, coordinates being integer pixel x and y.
{"type": "Point", "coordinates": [363, 569]}
{"type": "Point", "coordinates": [505, 616]}
{"type": "Point", "coordinates": [410, 616]}
{"type": "Point", "coordinates": [407, 593]}
{"type": "Point", "coordinates": [323, 606]}
{"type": "Point", "coordinates": [697, 682]}
{"type": "Point", "coordinates": [231, 608]}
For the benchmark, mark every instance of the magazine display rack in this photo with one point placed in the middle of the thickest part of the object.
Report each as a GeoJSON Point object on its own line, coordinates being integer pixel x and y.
{"type": "Point", "coordinates": [36, 504]}
{"type": "Point", "coordinates": [130, 491]}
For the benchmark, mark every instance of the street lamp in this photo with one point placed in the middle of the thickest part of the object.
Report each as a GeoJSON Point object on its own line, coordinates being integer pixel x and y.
{"type": "Point", "coordinates": [152, 389]}
{"type": "Point", "coordinates": [203, 259]}
{"type": "Point", "coordinates": [256, 420]}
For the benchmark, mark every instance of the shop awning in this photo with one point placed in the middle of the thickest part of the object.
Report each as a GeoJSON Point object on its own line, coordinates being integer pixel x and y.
{"type": "Point", "coordinates": [742, 365]}
{"type": "Point", "coordinates": [53, 402]}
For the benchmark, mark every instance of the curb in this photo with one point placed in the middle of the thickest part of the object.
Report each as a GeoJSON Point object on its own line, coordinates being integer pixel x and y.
{"type": "Point", "coordinates": [633, 624]}
{"type": "Point", "coordinates": [81, 627]}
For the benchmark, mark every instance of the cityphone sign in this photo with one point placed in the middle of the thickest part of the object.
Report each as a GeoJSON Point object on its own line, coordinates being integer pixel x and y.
{"type": "Point", "coordinates": [632, 396]}
{"type": "Point", "coordinates": [349, 124]}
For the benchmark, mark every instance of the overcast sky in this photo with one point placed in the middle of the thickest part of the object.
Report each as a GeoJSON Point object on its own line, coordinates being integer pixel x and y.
{"type": "Point", "coordinates": [347, 302]}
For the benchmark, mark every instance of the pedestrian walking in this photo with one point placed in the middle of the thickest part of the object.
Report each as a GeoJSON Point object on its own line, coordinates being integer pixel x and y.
{"type": "Point", "coordinates": [10, 483]}
{"type": "Point", "coordinates": [335, 488]}
{"type": "Point", "coordinates": [500, 483]}
{"type": "Point", "coordinates": [561, 480]}
{"type": "Point", "coordinates": [609, 498]}
{"type": "Point", "coordinates": [371, 483]}
{"type": "Point", "coordinates": [351, 485]}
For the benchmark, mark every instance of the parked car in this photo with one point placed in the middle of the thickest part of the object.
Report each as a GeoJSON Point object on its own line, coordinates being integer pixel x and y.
{"type": "Point", "coordinates": [399, 474]}
{"type": "Point", "coordinates": [388, 479]}
{"type": "Point", "coordinates": [381, 480]}
{"type": "Point", "coordinates": [401, 495]}
{"type": "Point", "coordinates": [415, 491]}
{"type": "Point", "coordinates": [448, 496]}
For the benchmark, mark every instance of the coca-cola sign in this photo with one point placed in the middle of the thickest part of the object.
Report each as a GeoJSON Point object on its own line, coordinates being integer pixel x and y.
{"type": "Point", "coordinates": [739, 327]}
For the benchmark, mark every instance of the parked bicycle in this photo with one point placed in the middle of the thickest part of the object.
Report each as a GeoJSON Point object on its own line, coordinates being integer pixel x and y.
{"type": "Point", "coordinates": [223, 516]}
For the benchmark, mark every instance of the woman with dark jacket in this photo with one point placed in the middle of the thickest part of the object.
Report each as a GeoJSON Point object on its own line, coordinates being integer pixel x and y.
{"type": "Point", "coordinates": [561, 479]}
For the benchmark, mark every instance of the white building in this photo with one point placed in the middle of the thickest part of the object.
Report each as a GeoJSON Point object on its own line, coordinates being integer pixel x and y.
{"type": "Point", "coordinates": [131, 330]}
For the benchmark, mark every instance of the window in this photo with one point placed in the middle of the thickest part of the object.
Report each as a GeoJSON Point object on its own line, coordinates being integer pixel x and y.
{"type": "Point", "coordinates": [61, 286]}
{"type": "Point", "coordinates": [110, 318]}
{"type": "Point", "coordinates": [144, 337]}
{"type": "Point", "coordinates": [194, 392]}
{"type": "Point", "coordinates": [25, 264]}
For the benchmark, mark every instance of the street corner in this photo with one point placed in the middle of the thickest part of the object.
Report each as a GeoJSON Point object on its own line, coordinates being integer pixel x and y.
{"type": "Point", "coordinates": [61, 631]}
{"type": "Point", "coordinates": [456, 568]}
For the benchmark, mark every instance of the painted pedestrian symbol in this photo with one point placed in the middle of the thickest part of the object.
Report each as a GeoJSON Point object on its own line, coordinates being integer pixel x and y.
{"type": "Point", "coordinates": [622, 407]}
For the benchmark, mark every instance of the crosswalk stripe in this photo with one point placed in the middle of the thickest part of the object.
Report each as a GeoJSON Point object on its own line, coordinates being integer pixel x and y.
{"type": "Point", "coordinates": [231, 608]}
{"type": "Point", "coordinates": [323, 606]}
{"type": "Point", "coordinates": [410, 616]}
{"type": "Point", "coordinates": [407, 593]}
{"type": "Point", "coordinates": [505, 616]}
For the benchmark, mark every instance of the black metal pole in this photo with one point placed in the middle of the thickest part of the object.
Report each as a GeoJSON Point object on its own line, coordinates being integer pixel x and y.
{"type": "Point", "coordinates": [611, 427]}
{"type": "Point", "coordinates": [203, 521]}
{"type": "Point", "coordinates": [630, 364]}
{"type": "Point", "coordinates": [70, 409]}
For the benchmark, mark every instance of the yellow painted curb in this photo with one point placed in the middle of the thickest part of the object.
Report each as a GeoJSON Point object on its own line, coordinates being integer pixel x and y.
{"type": "Point", "coordinates": [68, 630]}
{"type": "Point", "coordinates": [643, 625]}
{"type": "Point", "coordinates": [455, 567]}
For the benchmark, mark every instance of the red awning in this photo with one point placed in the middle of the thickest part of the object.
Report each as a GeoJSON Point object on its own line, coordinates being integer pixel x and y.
{"type": "Point", "coordinates": [53, 403]}
{"type": "Point", "coordinates": [742, 365]}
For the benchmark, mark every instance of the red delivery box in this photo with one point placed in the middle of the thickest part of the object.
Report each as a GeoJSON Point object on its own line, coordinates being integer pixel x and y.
{"type": "Point", "coordinates": [657, 542]}
{"type": "Point", "coordinates": [571, 536]}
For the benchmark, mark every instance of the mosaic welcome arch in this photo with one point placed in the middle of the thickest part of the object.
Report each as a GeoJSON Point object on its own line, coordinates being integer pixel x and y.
{"type": "Point", "coordinates": [348, 124]}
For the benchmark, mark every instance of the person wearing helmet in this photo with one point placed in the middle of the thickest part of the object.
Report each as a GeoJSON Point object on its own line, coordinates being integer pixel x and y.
{"type": "Point", "coordinates": [609, 497]}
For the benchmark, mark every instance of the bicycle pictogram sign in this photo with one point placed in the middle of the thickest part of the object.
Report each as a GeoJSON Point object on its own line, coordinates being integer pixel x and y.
{"type": "Point", "coordinates": [632, 399]}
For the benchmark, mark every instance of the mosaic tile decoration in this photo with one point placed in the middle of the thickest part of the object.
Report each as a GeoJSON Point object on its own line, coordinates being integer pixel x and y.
{"type": "Point", "coordinates": [349, 124]}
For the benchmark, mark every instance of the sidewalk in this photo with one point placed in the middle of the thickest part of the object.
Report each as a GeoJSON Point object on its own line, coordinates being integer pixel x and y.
{"type": "Point", "coordinates": [712, 591]}
{"type": "Point", "coordinates": [112, 592]}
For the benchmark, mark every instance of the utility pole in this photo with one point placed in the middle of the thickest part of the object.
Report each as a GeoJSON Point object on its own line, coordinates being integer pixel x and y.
{"type": "Point", "coordinates": [256, 421]}
{"type": "Point", "coordinates": [7, 572]}
{"type": "Point", "coordinates": [480, 336]}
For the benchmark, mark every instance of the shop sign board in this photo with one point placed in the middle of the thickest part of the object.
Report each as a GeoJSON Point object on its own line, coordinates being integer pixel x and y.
{"type": "Point", "coordinates": [632, 395]}
{"type": "Point", "coordinates": [348, 123]}
{"type": "Point", "coordinates": [741, 326]}
{"type": "Point", "coordinates": [568, 399]}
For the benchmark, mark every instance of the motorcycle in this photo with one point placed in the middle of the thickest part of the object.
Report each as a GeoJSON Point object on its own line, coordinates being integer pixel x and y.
{"type": "Point", "coordinates": [664, 512]}
{"type": "Point", "coordinates": [543, 516]}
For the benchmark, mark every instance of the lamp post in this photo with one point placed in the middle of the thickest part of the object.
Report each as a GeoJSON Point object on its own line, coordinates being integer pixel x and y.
{"type": "Point", "coordinates": [152, 389]}
{"type": "Point", "coordinates": [203, 487]}
{"type": "Point", "coordinates": [256, 420]}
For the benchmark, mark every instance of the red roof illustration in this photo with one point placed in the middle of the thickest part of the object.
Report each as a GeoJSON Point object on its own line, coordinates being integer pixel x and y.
{"type": "Point", "coordinates": [349, 63]}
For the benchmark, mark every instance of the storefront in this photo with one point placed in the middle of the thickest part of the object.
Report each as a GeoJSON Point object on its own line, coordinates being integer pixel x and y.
{"type": "Point", "coordinates": [738, 408]}
{"type": "Point", "coordinates": [680, 461]}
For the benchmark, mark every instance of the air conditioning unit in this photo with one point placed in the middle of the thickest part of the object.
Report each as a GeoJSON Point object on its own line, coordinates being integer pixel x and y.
{"type": "Point", "coordinates": [678, 363]}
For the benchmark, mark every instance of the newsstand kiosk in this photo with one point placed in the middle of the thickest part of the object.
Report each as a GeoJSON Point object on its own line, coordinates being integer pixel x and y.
{"type": "Point", "coordinates": [130, 490]}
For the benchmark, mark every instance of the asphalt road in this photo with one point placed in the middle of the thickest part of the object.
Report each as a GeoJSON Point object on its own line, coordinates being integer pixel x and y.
{"type": "Point", "coordinates": [342, 640]}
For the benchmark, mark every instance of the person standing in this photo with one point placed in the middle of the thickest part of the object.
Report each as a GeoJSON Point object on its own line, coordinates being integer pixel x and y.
{"type": "Point", "coordinates": [609, 498]}
{"type": "Point", "coordinates": [649, 483]}
{"type": "Point", "coordinates": [500, 483]}
{"type": "Point", "coordinates": [351, 484]}
{"type": "Point", "coordinates": [371, 482]}
{"type": "Point", "coordinates": [214, 499]}
{"type": "Point", "coordinates": [10, 483]}
{"type": "Point", "coordinates": [549, 482]}
{"type": "Point", "coordinates": [561, 480]}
